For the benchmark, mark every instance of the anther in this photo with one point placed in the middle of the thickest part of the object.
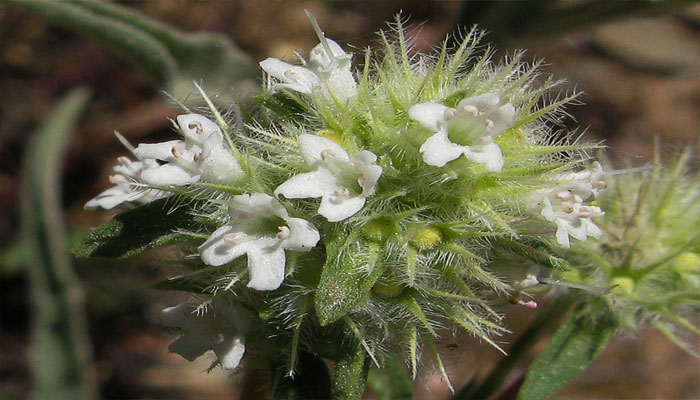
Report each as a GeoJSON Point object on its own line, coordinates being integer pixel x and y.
{"type": "Point", "coordinates": [326, 153]}
{"type": "Point", "coordinates": [197, 157]}
{"type": "Point", "coordinates": [283, 232]}
{"type": "Point", "coordinates": [197, 127]}
{"type": "Point", "coordinates": [489, 124]}
{"type": "Point", "coordinates": [449, 114]}
{"type": "Point", "coordinates": [577, 199]}
{"type": "Point", "coordinates": [563, 195]}
{"type": "Point", "coordinates": [291, 74]}
{"type": "Point", "coordinates": [123, 160]}
{"type": "Point", "coordinates": [471, 110]}
{"type": "Point", "coordinates": [529, 304]}
{"type": "Point", "coordinates": [176, 151]}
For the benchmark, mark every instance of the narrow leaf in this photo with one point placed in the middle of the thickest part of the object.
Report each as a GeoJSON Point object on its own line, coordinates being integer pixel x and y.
{"type": "Point", "coordinates": [575, 345]}
{"type": "Point", "coordinates": [351, 373]}
{"type": "Point", "coordinates": [60, 358]}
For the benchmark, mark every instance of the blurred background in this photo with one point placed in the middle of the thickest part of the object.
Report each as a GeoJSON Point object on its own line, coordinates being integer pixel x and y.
{"type": "Point", "coordinates": [638, 64]}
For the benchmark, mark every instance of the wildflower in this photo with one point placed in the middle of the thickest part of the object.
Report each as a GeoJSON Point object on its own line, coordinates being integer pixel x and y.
{"type": "Point", "coordinates": [343, 183]}
{"type": "Point", "coordinates": [262, 230]}
{"type": "Point", "coordinates": [218, 330]}
{"type": "Point", "coordinates": [201, 156]}
{"type": "Point", "coordinates": [472, 125]}
{"type": "Point", "coordinates": [128, 186]}
{"type": "Point", "coordinates": [567, 210]}
{"type": "Point", "coordinates": [328, 70]}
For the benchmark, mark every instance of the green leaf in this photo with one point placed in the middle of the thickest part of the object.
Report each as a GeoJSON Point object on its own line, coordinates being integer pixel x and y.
{"type": "Point", "coordinates": [391, 382]}
{"type": "Point", "coordinates": [59, 356]}
{"type": "Point", "coordinates": [171, 57]}
{"type": "Point", "coordinates": [350, 272]}
{"type": "Point", "coordinates": [575, 345]}
{"type": "Point", "coordinates": [351, 373]}
{"type": "Point", "coordinates": [134, 231]}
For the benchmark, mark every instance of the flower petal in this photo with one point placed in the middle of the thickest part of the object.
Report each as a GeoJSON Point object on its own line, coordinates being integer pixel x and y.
{"type": "Point", "coordinates": [562, 234]}
{"type": "Point", "coordinates": [168, 175]}
{"type": "Point", "coordinates": [265, 264]}
{"type": "Point", "coordinates": [303, 235]}
{"type": "Point", "coordinates": [113, 197]}
{"type": "Point", "coordinates": [293, 77]}
{"type": "Point", "coordinates": [197, 128]}
{"type": "Point", "coordinates": [230, 351]}
{"type": "Point", "coordinates": [438, 150]}
{"type": "Point", "coordinates": [311, 147]}
{"type": "Point", "coordinates": [337, 209]}
{"type": "Point", "coordinates": [428, 114]}
{"type": "Point", "coordinates": [159, 151]}
{"type": "Point", "coordinates": [220, 166]}
{"type": "Point", "coordinates": [482, 102]}
{"type": "Point", "coordinates": [309, 185]}
{"type": "Point", "coordinates": [489, 156]}
{"type": "Point", "coordinates": [216, 251]}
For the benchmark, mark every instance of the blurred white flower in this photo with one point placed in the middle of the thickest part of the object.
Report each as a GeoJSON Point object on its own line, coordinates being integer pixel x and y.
{"type": "Point", "coordinates": [220, 329]}
{"type": "Point", "coordinates": [262, 230]}
{"type": "Point", "coordinates": [343, 183]}
{"type": "Point", "coordinates": [475, 122]}
{"type": "Point", "coordinates": [128, 186]}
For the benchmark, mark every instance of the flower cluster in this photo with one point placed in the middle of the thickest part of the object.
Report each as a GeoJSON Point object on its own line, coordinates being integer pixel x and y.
{"type": "Point", "coordinates": [347, 212]}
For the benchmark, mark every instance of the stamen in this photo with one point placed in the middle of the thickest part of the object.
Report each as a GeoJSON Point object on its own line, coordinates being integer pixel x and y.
{"type": "Point", "coordinates": [197, 127]}
{"type": "Point", "coordinates": [284, 232]}
{"type": "Point", "coordinates": [563, 195]}
{"type": "Point", "coordinates": [577, 199]}
{"type": "Point", "coordinates": [197, 157]}
{"type": "Point", "coordinates": [489, 124]}
{"type": "Point", "coordinates": [123, 160]}
{"type": "Point", "coordinates": [529, 304]}
{"type": "Point", "coordinates": [471, 110]}
{"type": "Point", "coordinates": [601, 185]}
{"type": "Point", "coordinates": [449, 114]}
{"type": "Point", "coordinates": [177, 151]}
{"type": "Point", "coordinates": [326, 153]}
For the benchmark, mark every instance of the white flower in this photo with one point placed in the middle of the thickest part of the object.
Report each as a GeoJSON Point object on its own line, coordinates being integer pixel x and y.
{"type": "Point", "coordinates": [474, 123]}
{"type": "Point", "coordinates": [565, 206]}
{"type": "Point", "coordinates": [262, 230]}
{"type": "Point", "coordinates": [128, 186]}
{"type": "Point", "coordinates": [328, 71]}
{"type": "Point", "coordinates": [201, 156]}
{"type": "Point", "coordinates": [220, 329]}
{"type": "Point", "coordinates": [343, 183]}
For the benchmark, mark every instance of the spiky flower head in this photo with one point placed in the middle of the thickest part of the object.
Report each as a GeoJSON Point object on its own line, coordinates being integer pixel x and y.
{"type": "Point", "coordinates": [346, 213]}
{"type": "Point", "coordinates": [651, 262]}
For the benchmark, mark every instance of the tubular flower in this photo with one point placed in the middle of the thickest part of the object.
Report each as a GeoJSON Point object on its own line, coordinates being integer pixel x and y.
{"type": "Point", "coordinates": [128, 186]}
{"type": "Point", "coordinates": [201, 156]}
{"type": "Point", "coordinates": [328, 71]}
{"type": "Point", "coordinates": [342, 182]}
{"type": "Point", "coordinates": [262, 230]}
{"type": "Point", "coordinates": [468, 129]}
{"type": "Point", "coordinates": [219, 330]}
